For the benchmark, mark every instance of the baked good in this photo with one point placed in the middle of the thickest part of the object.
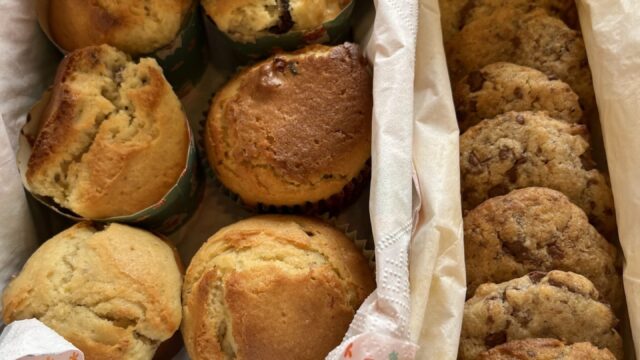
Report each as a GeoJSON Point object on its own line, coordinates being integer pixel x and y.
{"type": "Point", "coordinates": [272, 287]}
{"type": "Point", "coordinates": [537, 229]}
{"type": "Point", "coordinates": [545, 349]}
{"type": "Point", "coordinates": [455, 14]}
{"type": "Point", "coordinates": [533, 39]}
{"type": "Point", "coordinates": [136, 27]}
{"type": "Point", "coordinates": [247, 20]}
{"type": "Point", "coordinates": [501, 87]}
{"type": "Point", "coordinates": [113, 139]}
{"type": "Point", "coordinates": [294, 129]}
{"type": "Point", "coordinates": [559, 305]}
{"type": "Point", "coordinates": [523, 149]}
{"type": "Point", "coordinates": [99, 288]}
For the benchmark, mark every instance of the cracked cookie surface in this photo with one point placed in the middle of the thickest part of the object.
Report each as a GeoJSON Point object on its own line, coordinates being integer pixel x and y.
{"type": "Point", "coordinates": [502, 87]}
{"type": "Point", "coordinates": [272, 287]}
{"type": "Point", "coordinates": [534, 39]}
{"type": "Point", "coordinates": [560, 305]}
{"type": "Point", "coordinates": [524, 149]}
{"type": "Point", "coordinates": [101, 291]}
{"type": "Point", "coordinates": [113, 139]}
{"type": "Point", "coordinates": [545, 349]}
{"type": "Point", "coordinates": [537, 229]}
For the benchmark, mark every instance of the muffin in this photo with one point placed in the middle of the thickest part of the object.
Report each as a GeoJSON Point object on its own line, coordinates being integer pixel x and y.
{"type": "Point", "coordinates": [294, 131]}
{"type": "Point", "coordinates": [523, 149]}
{"type": "Point", "coordinates": [501, 87]}
{"type": "Point", "coordinates": [99, 288]}
{"type": "Point", "coordinates": [248, 20]}
{"type": "Point", "coordinates": [272, 287]}
{"type": "Point", "coordinates": [136, 27]}
{"type": "Point", "coordinates": [537, 229]}
{"type": "Point", "coordinates": [545, 349]}
{"type": "Point", "coordinates": [534, 39]}
{"type": "Point", "coordinates": [560, 305]}
{"type": "Point", "coordinates": [114, 138]}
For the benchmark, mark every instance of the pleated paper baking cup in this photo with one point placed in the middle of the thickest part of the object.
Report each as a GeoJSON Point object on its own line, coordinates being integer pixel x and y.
{"type": "Point", "coordinates": [331, 32]}
{"type": "Point", "coordinates": [165, 216]}
{"type": "Point", "coordinates": [331, 205]}
{"type": "Point", "coordinates": [183, 60]}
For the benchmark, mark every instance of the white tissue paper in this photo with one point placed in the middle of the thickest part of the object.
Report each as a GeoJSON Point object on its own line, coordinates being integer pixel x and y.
{"type": "Point", "coordinates": [31, 339]}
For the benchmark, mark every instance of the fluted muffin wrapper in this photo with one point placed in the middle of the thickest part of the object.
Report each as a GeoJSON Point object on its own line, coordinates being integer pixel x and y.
{"type": "Point", "coordinates": [332, 32]}
{"type": "Point", "coordinates": [366, 246]}
{"type": "Point", "coordinates": [165, 216]}
{"type": "Point", "coordinates": [183, 60]}
{"type": "Point", "coordinates": [331, 205]}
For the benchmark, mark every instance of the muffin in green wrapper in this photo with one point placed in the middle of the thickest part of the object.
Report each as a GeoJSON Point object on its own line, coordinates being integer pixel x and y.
{"type": "Point", "coordinates": [169, 30]}
{"type": "Point", "coordinates": [257, 27]}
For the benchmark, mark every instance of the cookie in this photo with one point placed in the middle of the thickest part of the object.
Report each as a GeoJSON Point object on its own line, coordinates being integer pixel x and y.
{"type": "Point", "coordinates": [545, 349]}
{"type": "Point", "coordinates": [560, 305]}
{"type": "Point", "coordinates": [537, 229]}
{"type": "Point", "coordinates": [457, 13]}
{"type": "Point", "coordinates": [533, 39]}
{"type": "Point", "coordinates": [522, 149]}
{"type": "Point", "coordinates": [501, 87]}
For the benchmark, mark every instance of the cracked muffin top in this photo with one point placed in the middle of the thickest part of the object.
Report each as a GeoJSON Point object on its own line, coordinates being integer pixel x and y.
{"type": "Point", "coordinates": [136, 27]}
{"type": "Point", "coordinates": [537, 229]}
{"type": "Point", "coordinates": [247, 20]}
{"type": "Point", "coordinates": [560, 305]}
{"type": "Point", "coordinates": [100, 290]}
{"type": "Point", "coordinates": [272, 287]}
{"type": "Point", "coordinates": [113, 138]}
{"type": "Point", "coordinates": [545, 349]}
{"type": "Point", "coordinates": [295, 128]}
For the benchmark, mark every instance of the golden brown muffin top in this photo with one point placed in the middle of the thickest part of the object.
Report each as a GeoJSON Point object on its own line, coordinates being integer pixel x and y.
{"type": "Point", "coordinates": [272, 287]}
{"type": "Point", "coordinates": [113, 138]}
{"type": "Point", "coordinates": [293, 128]}
{"type": "Point", "coordinates": [545, 349]}
{"type": "Point", "coordinates": [101, 291]}
{"type": "Point", "coordinates": [247, 20]}
{"type": "Point", "coordinates": [136, 27]}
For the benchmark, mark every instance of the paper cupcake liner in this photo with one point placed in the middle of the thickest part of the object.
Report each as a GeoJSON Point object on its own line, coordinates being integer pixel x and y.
{"type": "Point", "coordinates": [366, 246]}
{"type": "Point", "coordinates": [183, 61]}
{"type": "Point", "coordinates": [331, 205]}
{"type": "Point", "coordinates": [165, 216]}
{"type": "Point", "coordinates": [332, 32]}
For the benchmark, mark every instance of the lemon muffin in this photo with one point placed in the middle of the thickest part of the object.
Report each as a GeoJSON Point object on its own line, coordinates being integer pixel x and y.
{"type": "Point", "coordinates": [137, 27]}
{"type": "Point", "coordinates": [100, 290]}
{"type": "Point", "coordinates": [294, 129]}
{"type": "Point", "coordinates": [272, 287]}
{"type": "Point", "coordinates": [114, 137]}
{"type": "Point", "coordinates": [247, 20]}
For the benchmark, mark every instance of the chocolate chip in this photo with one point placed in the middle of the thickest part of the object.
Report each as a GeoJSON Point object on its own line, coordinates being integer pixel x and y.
{"type": "Point", "coordinates": [512, 174]}
{"type": "Point", "coordinates": [505, 153]}
{"type": "Point", "coordinates": [555, 251]}
{"type": "Point", "coordinates": [536, 276]}
{"type": "Point", "coordinates": [475, 81]}
{"type": "Point", "coordinates": [516, 250]}
{"type": "Point", "coordinates": [517, 92]}
{"type": "Point", "coordinates": [495, 339]}
{"type": "Point", "coordinates": [516, 42]}
{"type": "Point", "coordinates": [587, 162]}
{"type": "Point", "coordinates": [521, 160]}
{"type": "Point", "coordinates": [520, 119]}
{"type": "Point", "coordinates": [498, 190]}
{"type": "Point", "coordinates": [279, 64]}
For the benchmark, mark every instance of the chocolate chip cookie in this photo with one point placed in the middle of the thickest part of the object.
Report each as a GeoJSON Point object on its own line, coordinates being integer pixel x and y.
{"type": "Point", "coordinates": [522, 149]}
{"type": "Point", "coordinates": [545, 349]}
{"type": "Point", "coordinates": [537, 229]}
{"type": "Point", "coordinates": [560, 305]}
{"type": "Point", "coordinates": [533, 39]}
{"type": "Point", "coordinates": [501, 87]}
